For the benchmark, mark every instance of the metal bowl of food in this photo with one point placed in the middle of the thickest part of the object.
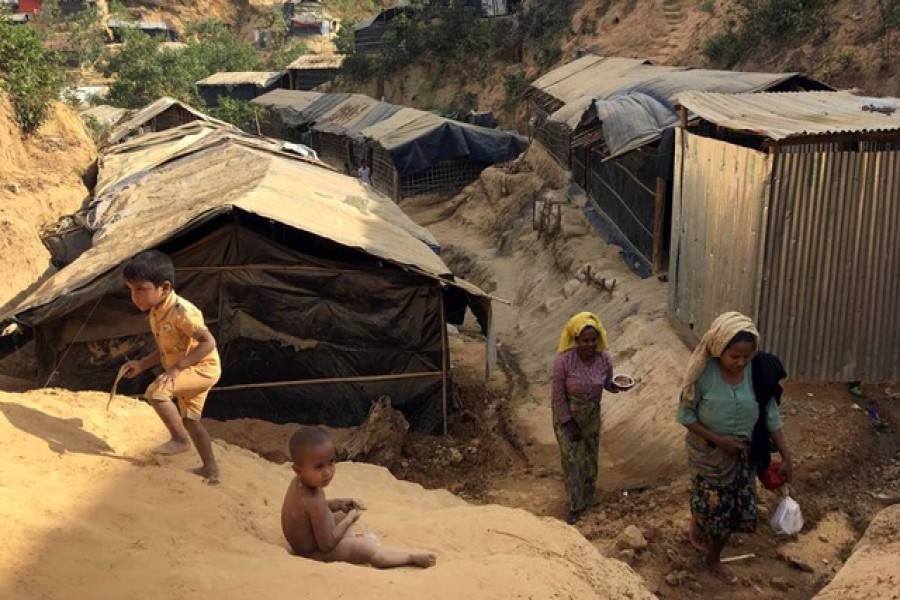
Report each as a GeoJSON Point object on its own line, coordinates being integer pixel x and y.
{"type": "Point", "coordinates": [624, 382]}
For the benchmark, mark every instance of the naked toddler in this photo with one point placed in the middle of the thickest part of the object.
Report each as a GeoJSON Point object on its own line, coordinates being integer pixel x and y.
{"type": "Point", "coordinates": [316, 527]}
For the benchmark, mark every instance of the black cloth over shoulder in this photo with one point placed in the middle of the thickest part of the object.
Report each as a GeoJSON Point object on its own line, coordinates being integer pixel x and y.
{"type": "Point", "coordinates": [767, 373]}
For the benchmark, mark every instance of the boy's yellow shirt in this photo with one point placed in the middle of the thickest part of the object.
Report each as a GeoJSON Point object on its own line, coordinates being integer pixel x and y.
{"type": "Point", "coordinates": [174, 323]}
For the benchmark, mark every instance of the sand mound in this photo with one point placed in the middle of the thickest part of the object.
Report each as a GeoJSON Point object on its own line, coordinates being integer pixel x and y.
{"type": "Point", "coordinates": [873, 571]}
{"type": "Point", "coordinates": [87, 514]}
{"type": "Point", "coordinates": [40, 180]}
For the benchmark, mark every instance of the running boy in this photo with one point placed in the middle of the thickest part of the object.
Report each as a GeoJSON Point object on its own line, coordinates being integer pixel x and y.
{"type": "Point", "coordinates": [186, 351]}
{"type": "Point", "coordinates": [317, 528]}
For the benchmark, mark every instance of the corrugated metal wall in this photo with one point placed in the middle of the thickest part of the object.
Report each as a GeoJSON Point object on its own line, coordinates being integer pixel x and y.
{"type": "Point", "coordinates": [719, 208]}
{"type": "Point", "coordinates": [831, 303]}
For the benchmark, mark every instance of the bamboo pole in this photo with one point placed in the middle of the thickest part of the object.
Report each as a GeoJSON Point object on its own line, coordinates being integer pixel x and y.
{"type": "Point", "coordinates": [443, 360]}
{"type": "Point", "coordinates": [296, 382]}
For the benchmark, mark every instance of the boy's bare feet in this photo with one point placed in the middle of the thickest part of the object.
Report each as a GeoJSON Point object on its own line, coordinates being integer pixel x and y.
{"type": "Point", "coordinates": [423, 559]}
{"type": "Point", "coordinates": [173, 447]}
{"type": "Point", "coordinates": [722, 571]}
{"type": "Point", "coordinates": [209, 474]}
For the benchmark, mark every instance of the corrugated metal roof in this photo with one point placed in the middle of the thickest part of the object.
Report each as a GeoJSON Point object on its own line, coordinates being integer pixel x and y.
{"type": "Point", "coordinates": [258, 78]}
{"type": "Point", "coordinates": [780, 116]}
{"type": "Point", "coordinates": [353, 115]}
{"type": "Point", "coordinates": [317, 61]}
{"type": "Point", "coordinates": [595, 76]}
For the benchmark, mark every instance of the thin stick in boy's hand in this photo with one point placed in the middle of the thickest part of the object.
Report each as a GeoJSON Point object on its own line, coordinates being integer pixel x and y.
{"type": "Point", "coordinates": [112, 393]}
{"type": "Point", "coordinates": [317, 528]}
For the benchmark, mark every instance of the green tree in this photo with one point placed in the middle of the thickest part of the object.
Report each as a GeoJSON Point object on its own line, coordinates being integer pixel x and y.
{"type": "Point", "coordinates": [138, 73]}
{"type": "Point", "coordinates": [30, 74]}
{"type": "Point", "coordinates": [239, 113]}
{"type": "Point", "coordinates": [87, 37]}
{"type": "Point", "coordinates": [142, 70]}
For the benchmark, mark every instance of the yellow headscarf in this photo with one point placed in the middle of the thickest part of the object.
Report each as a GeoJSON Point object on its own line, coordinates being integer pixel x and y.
{"type": "Point", "coordinates": [712, 345]}
{"type": "Point", "coordinates": [577, 324]}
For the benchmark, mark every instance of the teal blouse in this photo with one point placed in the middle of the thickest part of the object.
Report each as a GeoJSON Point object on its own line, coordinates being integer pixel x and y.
{"type": "Point", "coordinates": [727, 409]}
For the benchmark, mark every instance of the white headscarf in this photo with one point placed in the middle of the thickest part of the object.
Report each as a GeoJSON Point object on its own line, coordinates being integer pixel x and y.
{"type": "Point", "coordinates": [712, 345]}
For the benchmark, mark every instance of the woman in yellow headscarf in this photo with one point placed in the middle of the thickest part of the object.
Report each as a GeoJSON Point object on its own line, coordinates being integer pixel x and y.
{"type": "Point", "coordinates": [729, 405]}
{"type": "Point", "coordinates": [582, 369]}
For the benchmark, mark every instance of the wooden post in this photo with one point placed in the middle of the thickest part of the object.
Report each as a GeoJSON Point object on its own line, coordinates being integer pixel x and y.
{"type": "Point", "coordinates": [684, 114]}
{"type": "Point", "coordinates": [659, 217]}
{"type": "Point", "coordinates": [443, 359]}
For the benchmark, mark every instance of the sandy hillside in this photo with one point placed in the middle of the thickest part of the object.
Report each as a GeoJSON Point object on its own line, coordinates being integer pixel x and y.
{"type": "Point", "coordinates": [40, 180]}
{"type": "Point", "coordinates": [86, 514]}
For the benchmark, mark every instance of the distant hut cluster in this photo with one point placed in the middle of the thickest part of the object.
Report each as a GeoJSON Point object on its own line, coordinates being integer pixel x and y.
{"type": "Point", "coordinates": [410, 151]}
{"type": "Point", "coordinates": [322, 295]}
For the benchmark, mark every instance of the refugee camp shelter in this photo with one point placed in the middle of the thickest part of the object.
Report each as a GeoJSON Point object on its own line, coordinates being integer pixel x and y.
{"type": "Point", "coordinates": [161, 114]}
{"type": "Point", "coordinates": [306, 18]}
{"type": "Point", "coordinates": [312, 70]}
{"type": "Point", "coordinates": [787, 208]}
{"type": "Point", "coordinates": [321, 293]}
{"type": "Point", "coordinates": [157, 29]}
{"type": "Point", "coordinates": [410, 151]}
{"type": "Point", "coordinates": [337, 134]}
{"type": "Point", "coordinates": [604, 118]}
{"type": "Point", "coordinates": [283, 118]}
{"type": "Point", "coordinates": [415, 152]}
{"type": "Point", "coordinates": [240, 85]}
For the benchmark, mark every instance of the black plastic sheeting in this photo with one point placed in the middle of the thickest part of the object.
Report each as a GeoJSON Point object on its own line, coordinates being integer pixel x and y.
{"type": "Point", "coordinates": [449, 140]}
{"type": "Point", "coordinates": [278, 315]}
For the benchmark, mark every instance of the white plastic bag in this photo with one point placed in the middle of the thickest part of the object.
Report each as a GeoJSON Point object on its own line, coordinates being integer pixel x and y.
{"type": "Point", "coordinates": [787, 518]}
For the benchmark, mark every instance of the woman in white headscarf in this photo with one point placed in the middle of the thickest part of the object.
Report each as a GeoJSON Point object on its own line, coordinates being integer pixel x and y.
{"type": "Point", "coordinates": [720, 408]}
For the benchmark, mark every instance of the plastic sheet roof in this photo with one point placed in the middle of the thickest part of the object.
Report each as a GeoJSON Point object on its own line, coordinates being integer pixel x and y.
{"type": "Point", "coordinates": [782, 116]}
{"type": "Point", "coordinates": [156, 199]}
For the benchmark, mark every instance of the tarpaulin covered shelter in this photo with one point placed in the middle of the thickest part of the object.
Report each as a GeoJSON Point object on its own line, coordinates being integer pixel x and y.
{"type": "Point", "coordinates": [321, 293]}
{"type": "Point", "coordinates": [416, 152]}
{"type": "Point", "coordinates": [605, 118]}
{"type": "Point", "coordinates": [337, 134]}
{"type": "Point", "coordinates": [240, 85]}
{"type": "Point", "coordinates": [411, 151]}
{"type": "Point", "coordinates": [787, 208]}
{"type": "Point", "coordinates": [312, 70]}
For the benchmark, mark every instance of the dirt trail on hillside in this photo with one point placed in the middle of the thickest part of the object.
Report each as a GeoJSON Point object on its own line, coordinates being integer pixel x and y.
{"type": "Point", "coordinates": [87, 513]}
{"type": "Point", "coordinates": [40, 180]}
{"type": "Point", "coordinates": [487, 236]}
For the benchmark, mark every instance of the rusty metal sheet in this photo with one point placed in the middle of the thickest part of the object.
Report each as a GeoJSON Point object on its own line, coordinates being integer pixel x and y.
{"type": "Point", "coordinates": [831, 303]}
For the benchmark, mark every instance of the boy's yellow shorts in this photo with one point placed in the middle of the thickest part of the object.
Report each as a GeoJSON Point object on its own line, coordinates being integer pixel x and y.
{"type": "Point", "coordinates": [189, 392]}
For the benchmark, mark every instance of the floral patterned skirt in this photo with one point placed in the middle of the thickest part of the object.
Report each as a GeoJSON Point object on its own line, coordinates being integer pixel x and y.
{"type": "Point", "coordinates": [719, 507]}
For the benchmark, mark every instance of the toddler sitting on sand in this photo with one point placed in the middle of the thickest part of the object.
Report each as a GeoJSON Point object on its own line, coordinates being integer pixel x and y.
{"type": "Point", "coordinates": [317, 528]}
